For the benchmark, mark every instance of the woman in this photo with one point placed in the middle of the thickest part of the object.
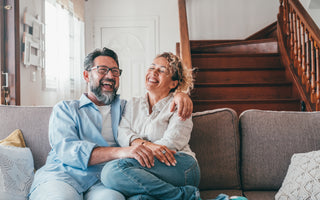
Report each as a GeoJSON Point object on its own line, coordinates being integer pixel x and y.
{"type": "Point", "coordinates": [175, 173]}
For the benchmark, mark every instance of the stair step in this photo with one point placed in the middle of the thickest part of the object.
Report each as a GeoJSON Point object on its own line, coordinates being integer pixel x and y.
{"type": "Point", "coordinates": [200, 43]}
{"type": "Point", "coordinates": [240, 76]}
{"type": "Point", "coordinates": [209, 91]}
{"type": "Point", "coordinates": [235, 61]}
{"type": "Point", "coordinates": [244, 46]}
{"type": "Point", "coordinates": [197, 44]}
{"type": "Point", "coordinates": [243, 84]}
{"type": "Point", "coordinates": [240, 105]}
{"type": "Point", "coordinates": [239, 68]}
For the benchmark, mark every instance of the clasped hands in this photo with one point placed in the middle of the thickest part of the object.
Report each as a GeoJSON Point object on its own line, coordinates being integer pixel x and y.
{"type": "Point", "coordinates": [144, 152]}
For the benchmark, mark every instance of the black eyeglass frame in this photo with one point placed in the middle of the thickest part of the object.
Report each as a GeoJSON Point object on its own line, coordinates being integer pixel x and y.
{"type": "Point", "coordinates": [107, 71]}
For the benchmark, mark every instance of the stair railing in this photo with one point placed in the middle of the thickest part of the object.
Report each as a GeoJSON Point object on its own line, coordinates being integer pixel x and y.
{"type": "Point", "coordinates": [185, 52]}
{"type": "Point", "coordinates": [300, 37]}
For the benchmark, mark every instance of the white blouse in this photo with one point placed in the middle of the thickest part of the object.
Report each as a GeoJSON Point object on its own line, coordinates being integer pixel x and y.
{"type": "Point", "coordinates": [160, 127]}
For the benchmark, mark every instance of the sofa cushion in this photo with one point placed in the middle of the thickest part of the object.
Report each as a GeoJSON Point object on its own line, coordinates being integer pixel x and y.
{"type": "Point", "coordinates": [16, 167]}
{"type": "Point", "coordinates": [33, 122]}
{"type": "Point", "coordinates": [215, 140]}
{"type": "Point", "coordinates": [303, 177]}
{"type": "Point", "coordinates": [260, 195]}
{"type": "Point", "coordinates": [269, 139]}
{"type": "Point", "coordinates": [16, 172]}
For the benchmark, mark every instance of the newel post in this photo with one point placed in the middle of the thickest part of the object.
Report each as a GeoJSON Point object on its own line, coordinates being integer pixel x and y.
{"type": "Point", "coordinates": [281, 9]}
{"type": "Point", "coordinates": [185, 52]}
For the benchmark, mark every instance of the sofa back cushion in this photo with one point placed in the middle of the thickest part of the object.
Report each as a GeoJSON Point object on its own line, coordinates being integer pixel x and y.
{"type": "Point", "coordinates": [269, 139]}
{"type": "Point", "coordinates": [215, 140]}
{"type": "Point", "coordinates": [33, 122]}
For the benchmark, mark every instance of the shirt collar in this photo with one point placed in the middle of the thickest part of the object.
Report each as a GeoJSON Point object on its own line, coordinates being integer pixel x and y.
{"type": "Point", "coordinates": [160, 104]}
{"type": "Point", "coordinates": [84, 101]}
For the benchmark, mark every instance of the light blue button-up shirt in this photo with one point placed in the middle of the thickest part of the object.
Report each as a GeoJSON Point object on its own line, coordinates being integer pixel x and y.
{"type": "Point", "coordinates": [74, 130]}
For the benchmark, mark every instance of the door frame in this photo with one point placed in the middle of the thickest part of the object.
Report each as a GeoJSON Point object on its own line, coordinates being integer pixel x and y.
{"type": "Point", "coordinates": [131, 85]}
{"type": "Point", "coordinates": [10, 52]}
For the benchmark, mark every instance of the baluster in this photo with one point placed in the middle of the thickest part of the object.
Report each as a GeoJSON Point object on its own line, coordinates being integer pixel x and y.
{"type": "Point", "coordinates": [287, 13]}
{"type": "Point", "coordinates": [281, 10]}
{"type": "Point", "coordinates": [299, 47]}
{"type": "Point", "coordinates": [291, 35]}
{"type": "Point", "coordinates": [318, 78]}
{"type": "Point", "coordinates": [283, 16]}
{"type": "Point", "coordinates": [295, 43]}
{"type": "Point", "coordinates": [308, 73]}
{"type": "Point", "coordinates": [313, 73]}
{"type": "Point", "coordinates": [303, 60]}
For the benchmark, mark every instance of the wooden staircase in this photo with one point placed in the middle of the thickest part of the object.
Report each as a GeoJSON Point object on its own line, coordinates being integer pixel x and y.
{"type": "Point", "coordinates": [277, 68]}
{"type": "Point", "coordinates": [241, 74]}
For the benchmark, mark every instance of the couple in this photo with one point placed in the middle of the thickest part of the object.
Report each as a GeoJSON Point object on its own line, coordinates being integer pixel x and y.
{"type": "Point", "coordinates": [154, 160]}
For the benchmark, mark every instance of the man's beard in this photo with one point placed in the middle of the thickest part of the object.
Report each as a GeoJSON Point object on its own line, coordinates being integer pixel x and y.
{"type": "Point", "coordinates": [107, 96]}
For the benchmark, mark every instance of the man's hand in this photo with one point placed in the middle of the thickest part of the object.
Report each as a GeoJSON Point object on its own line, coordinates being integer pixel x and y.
{"type": "Point", "coordinates": [139, 152]}
{"type": "Point", "coordinates": [184, 103]}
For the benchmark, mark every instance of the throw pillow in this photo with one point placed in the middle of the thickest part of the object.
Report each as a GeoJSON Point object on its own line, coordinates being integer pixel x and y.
{"type": "Point", "coordinates": [16, 168]}
{"type": "Point", "coordinates": [303, 178]}
{"type": "Point", "coordinates": [14, 139]}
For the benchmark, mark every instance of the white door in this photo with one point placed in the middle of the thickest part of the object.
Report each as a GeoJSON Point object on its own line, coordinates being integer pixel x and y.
{"type": "Point", "coordinates": [136, 43]}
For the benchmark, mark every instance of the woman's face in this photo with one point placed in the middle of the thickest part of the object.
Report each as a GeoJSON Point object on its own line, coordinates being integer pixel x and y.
{"type": "Point", "coordinates": [158, 77]}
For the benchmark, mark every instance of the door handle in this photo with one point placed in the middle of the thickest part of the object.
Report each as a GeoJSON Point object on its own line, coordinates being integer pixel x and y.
{"type": "Point", "coordinates": [7, 81]}
{"type": "Point", "coordinates": [8, 7]}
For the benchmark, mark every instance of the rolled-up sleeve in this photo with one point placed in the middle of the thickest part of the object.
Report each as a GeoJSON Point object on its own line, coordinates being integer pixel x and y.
{"type": "Point", "coordinates": [125, 133]}
{"type": "Point", "coordinates": [65, 140]}
{"type": "Point", "coordinates": [177, 134]}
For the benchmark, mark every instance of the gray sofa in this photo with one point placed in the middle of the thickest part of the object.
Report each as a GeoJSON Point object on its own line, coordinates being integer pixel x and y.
{"type": "Point", "coordinates": [246, 155]}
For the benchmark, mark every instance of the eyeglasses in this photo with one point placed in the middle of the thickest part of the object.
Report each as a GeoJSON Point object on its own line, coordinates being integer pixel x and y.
{"type": "Point", "coordinates": [105, 70]}
{"type": "Point", "coordinates": [160, 69]}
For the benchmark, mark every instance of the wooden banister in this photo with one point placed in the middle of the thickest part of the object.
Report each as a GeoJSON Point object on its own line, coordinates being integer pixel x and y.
{"type": "Point", "coordinates": [185, 52]}
{"type": "Point", "coordinates": [299, 41]}
{"type": "Point", "coordinates": [305, 19]}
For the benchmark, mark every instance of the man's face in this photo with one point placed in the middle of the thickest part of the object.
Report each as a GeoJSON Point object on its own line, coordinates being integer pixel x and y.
{"type": "Point", "coordinates": [103, 86]}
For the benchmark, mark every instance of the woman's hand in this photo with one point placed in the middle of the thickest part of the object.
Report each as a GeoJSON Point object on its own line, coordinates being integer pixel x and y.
{"type": "Point", "coordinates": [162, 153]}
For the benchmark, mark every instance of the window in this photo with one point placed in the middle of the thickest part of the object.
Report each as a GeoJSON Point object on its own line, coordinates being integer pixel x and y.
{"type": "Point", "coordinates": [64, 51]}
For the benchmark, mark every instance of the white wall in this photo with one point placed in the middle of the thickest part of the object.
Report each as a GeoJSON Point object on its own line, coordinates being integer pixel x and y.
{"type": "Point", "coordinates": [208, 19]}
{"type": "Point", "coordinates": [313, 8]}
{"type": "Point", "coordinates": [31, 78]}
{"type": "Point", "coordinates": [166, 10]}
{"type": "Point", "coordinates": [229, 19]}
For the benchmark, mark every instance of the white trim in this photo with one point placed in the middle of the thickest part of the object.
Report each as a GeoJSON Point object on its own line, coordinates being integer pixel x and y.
{"type": "Point", "coordinates": [133, 64]}
{"type": "Point", "coordinates": [150, 22]}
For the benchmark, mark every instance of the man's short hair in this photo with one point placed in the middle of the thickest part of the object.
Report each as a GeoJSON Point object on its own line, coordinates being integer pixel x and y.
{"type": "Point", "coordinates": [88, 61]}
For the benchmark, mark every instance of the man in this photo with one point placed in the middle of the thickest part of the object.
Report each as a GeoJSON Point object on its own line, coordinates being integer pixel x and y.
{"type": "Point", "coordinates": [83, 136]}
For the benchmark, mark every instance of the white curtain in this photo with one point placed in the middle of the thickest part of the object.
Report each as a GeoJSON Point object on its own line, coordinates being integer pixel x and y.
{"type": "Point", "coordinates": [64, 52]}
{"type": "Point", "coordinates": [79, 54]}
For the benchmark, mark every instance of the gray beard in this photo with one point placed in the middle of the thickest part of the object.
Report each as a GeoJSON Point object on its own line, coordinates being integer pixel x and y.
{"type": "Point", "coordinates": [106, 97]}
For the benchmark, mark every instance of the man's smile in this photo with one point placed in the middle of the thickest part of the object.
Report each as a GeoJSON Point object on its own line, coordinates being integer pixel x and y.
{"type": "Point", "coordinates": [107, 84]}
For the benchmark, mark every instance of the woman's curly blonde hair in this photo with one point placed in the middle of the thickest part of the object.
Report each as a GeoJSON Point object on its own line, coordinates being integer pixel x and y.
{"type": "Point", "coordinates": [179, 72]}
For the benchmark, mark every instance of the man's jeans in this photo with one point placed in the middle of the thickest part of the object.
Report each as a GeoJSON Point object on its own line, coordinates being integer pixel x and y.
{"type": "Point", "coordinates": [161, 181]}
{"type": "Point", "coordinates": [59, 190]}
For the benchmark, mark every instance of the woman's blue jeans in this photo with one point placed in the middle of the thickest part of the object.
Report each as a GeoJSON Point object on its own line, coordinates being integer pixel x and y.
{"type": "Point", "coordinates": [160, 182]}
